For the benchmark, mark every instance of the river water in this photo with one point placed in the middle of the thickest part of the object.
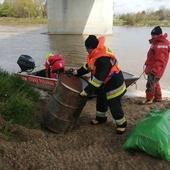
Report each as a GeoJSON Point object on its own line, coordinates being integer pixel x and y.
{"type": "Point", "coordinates": [130, 45]}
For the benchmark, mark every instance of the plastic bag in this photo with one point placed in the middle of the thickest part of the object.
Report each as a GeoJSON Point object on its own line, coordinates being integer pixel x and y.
{"type": "Point", "coordinates": [152, 135]}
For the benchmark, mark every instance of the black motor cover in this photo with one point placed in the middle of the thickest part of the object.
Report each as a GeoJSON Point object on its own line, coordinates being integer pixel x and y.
{"type": "Point", "coordinates": [26, 62]}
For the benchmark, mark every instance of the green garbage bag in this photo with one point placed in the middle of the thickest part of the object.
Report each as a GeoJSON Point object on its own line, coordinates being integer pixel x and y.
{"type": "Point", "coordinates": [152, 135]}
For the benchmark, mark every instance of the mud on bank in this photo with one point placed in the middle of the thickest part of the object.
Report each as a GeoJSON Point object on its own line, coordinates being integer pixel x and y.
{"type": "Point", "coordinates": [85, 147]}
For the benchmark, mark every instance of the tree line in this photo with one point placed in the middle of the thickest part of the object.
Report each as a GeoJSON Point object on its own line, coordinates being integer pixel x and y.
{"type": "Point", "coordinates": [38, 9]}
{"type": "Point", "coordinates": [24, 8]}
{"type": "Point", "coordinates": [149, 17]}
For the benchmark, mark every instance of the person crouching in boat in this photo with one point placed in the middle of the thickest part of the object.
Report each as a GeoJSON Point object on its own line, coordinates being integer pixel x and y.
{"type": "Point", "coordinates": [54, 64]}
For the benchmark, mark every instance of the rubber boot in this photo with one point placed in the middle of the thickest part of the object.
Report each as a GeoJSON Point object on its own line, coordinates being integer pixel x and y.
{"type": "Point", "coordinates": [99, 120]}
{"type": "Point", "coordinates": [121, 128]}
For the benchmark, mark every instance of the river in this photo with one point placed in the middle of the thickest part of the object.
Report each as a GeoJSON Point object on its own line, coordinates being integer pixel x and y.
{"type": "Point", "coordinates": [130, 45]}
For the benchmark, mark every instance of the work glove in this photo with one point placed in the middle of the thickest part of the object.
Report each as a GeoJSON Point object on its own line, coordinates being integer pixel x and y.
{"type": "Point", "coordinates": [152, 78]}
{"type": "Point", "coordinates": [73, 71]}
{"type": "Point", "coordinates": [83, 93]}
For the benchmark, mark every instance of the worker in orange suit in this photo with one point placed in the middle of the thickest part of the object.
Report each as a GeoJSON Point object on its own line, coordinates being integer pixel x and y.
{"type": "Point", "coordinates": [54, 64]}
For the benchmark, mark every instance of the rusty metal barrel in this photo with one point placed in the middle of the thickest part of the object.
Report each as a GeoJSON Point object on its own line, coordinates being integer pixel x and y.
{"type": "Point", "coordinates": [66, 103]}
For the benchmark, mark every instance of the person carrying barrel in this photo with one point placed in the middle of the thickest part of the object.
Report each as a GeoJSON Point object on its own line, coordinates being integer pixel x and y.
{"type": "Point", "coordinates": [107, 82]}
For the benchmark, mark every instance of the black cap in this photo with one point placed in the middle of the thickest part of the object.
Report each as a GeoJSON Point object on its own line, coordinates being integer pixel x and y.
{"type": "Point", "coordinates": [91, 42]}
{"type": "Point", "coordinates": [156, 31]}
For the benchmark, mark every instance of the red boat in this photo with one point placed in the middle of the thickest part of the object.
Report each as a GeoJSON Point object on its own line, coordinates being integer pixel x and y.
{"type": "Point", "coordinates": [36, 76]}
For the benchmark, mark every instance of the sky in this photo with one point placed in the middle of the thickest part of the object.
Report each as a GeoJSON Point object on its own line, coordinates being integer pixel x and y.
{"type": "Point", "coordinates": [133, 6]}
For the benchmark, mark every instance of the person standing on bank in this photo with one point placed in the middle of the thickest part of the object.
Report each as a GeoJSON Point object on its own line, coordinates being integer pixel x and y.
{"type": "Point", "coordinates": [155, 64]}
{"type": "Point", "coordinates": [107, 82]}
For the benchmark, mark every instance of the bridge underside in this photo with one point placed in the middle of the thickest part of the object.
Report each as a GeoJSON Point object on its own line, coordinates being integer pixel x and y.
{"type": "Point", "coordinates": [80, 16]}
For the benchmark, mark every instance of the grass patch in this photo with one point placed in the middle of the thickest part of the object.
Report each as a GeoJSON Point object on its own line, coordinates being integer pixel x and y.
{"type": "Point", "coordinates": [2, 149]}
{"type": "Point", "coordinates": [7, 131]}
{"type": "Point", "coordinates": [18, 100]}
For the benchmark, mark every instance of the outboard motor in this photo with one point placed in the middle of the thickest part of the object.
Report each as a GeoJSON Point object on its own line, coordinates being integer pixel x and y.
{"type": "Point", "coordinates": [26, 62]}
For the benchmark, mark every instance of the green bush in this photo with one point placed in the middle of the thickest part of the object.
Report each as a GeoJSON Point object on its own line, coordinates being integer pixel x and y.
{"type": "Point", "coordinates": [160, 17]}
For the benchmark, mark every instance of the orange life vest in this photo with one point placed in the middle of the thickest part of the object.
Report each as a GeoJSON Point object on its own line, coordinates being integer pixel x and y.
{"type": "Point", "coordinates": [102, 51]}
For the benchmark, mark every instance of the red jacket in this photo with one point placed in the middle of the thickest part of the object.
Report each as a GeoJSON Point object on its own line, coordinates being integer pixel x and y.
{"type": "Point", "coordinates": [54, 63]}
{"type": "Point", "coordinates": [158, 55]}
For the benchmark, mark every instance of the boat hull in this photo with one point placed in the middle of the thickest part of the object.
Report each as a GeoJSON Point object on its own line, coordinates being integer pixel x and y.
{"type": "Point", "coordinates": [38, 79]}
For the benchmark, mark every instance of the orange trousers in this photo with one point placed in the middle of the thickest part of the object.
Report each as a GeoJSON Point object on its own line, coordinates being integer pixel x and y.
{"type": "Point", "coordinates": [153, 92]}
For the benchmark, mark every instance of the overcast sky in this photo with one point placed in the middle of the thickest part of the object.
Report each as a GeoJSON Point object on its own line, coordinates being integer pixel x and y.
{"type": "Point", "coordinates": [128, 6]}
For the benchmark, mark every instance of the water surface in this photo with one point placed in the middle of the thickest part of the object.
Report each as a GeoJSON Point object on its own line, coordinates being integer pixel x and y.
{"type": "Point", "coordinates": [130, 45]}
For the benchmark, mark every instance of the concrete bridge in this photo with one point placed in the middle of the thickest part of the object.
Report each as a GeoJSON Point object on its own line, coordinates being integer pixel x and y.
{"type": "Point", "coordinates": [80, 16]}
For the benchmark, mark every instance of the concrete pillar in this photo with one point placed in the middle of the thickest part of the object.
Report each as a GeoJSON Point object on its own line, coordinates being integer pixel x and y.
{"type": "Point", "coordinates": [80, 16]}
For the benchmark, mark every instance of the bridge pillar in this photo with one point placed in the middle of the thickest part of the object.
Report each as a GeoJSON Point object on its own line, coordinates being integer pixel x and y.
{"type": "Point", "coordinates": [80, 16]}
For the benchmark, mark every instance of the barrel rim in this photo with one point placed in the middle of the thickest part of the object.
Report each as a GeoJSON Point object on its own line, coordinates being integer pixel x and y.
{"type": "Point", "coordinates": [68, 87]}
